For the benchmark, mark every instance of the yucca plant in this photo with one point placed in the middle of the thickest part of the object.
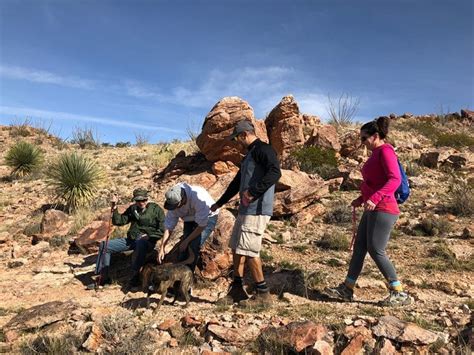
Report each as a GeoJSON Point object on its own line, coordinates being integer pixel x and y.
{"type": "Point", "coordinates": [76, 179]}
{"type": "Point", "coordinates": [24, 158]}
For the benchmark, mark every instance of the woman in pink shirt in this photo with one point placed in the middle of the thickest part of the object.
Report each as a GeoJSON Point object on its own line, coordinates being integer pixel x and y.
{"type": "Point", "coordinates": [381, 178]}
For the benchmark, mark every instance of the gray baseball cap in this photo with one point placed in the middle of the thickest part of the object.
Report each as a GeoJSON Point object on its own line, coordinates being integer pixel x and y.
{"type": "Point", "coordinates": [240, 127]}
{"type": "Point", "coordinates": [173, 197]}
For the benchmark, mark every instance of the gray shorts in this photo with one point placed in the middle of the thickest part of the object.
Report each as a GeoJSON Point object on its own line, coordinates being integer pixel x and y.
{"type": "Point", "coordinates": [247, 235]}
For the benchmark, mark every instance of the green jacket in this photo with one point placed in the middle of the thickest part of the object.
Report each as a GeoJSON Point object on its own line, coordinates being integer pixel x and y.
{"type": "Point", "coordinates": [149, 222]}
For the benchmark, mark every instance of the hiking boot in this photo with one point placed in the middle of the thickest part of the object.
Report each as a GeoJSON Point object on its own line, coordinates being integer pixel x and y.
{"type": "Point", "coordinates": [235, 294]}
{"type": "Point", "coordinates": [102, 280]}
{"type": "Point", "coordinates": [341, 292]}
{"type": "Point", "coordinates": [261, 300]}
{"type": "Point", "coordinates": [396, 298]}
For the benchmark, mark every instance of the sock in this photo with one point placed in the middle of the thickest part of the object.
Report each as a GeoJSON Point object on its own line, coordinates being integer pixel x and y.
{"type": "Point", "coordinates": [396, 286]}
{"type": "Point", "coordinates": [350, 283]}
{"type": "Point", "coordinates": [238, 281]}
{"type": "Point", "coordinates": [262, 287]}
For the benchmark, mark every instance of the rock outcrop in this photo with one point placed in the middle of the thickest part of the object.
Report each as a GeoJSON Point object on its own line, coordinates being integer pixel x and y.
{"type": "Point", "coordinates": [218, 125]}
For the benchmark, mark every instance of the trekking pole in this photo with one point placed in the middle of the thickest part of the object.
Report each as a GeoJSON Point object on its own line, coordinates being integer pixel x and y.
{"type": "Point", "coordinates": [354, 232]}
{"type": "Point", "coordinates": [104, 250]}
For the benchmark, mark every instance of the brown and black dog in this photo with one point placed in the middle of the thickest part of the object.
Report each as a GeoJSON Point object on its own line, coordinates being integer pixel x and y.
{"type": "Point", "coordinates": [161, 277]}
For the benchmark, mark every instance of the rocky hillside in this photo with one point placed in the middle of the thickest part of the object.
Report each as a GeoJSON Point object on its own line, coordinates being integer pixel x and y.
{"type": "Point", "coordinates": [47, 253]}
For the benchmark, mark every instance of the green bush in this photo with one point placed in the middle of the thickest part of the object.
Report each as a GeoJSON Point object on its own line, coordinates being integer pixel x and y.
{"type": "Point", "coordinates": [75, 179]}
{"type": "Point", "coordinates": [413, 169]}
{"type": "Point", "coordinates": [455, 140]}
{"type": "Point", "coordinates": [462, 198]}
{"type": "Point", "coordinates": [316, 160]}
{"type": "Point", "coordinates": [123, 144]}
{"type": "Point", "coordinates": [24, 158]}
{"type": "Point", "coordinates": [431, 227]}
{"type": "Point", "coordinates": [334, 241]}
{"type": "Point", "coordinates": [54, 345]}
{"type": "Point", "coordinates": [340, 212]}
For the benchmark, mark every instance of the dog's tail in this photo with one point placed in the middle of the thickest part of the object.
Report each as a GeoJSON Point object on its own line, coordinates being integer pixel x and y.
{"type": "Point", "coordinates": [189, 259]}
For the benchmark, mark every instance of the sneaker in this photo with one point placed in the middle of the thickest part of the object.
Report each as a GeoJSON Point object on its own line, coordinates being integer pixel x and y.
{"type": "Point", "coordinates": [341, 292]}
{"type": "Point", "coordinates": [396, 298]}
{"type": "Point", "coordinates": [261, 300]}
{"type": "Point", "coordinates": [235, 294]}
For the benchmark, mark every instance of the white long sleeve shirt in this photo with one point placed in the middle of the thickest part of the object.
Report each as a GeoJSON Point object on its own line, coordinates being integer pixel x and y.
{"type": "Point", "coordinates": [196, 209]}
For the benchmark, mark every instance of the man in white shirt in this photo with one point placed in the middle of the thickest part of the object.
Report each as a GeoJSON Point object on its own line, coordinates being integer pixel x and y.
{"type": "Point", "coordinates": [193, 205]}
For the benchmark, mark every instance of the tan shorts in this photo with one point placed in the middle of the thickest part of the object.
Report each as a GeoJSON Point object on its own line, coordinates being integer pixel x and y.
{"type": "Point", "coordinates": [247, 235]}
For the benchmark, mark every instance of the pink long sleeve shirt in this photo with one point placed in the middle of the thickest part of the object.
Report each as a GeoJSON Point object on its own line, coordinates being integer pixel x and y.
{"type": "Point", "coordinates": [381, 178]}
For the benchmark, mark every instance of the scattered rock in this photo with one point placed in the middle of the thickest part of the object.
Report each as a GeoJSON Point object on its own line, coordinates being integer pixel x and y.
{"type": "Point", "coordinates": [167, 324]}
{"type": "Point", "coordinates": [352, 181]}
{"type": "Point", "coordinates": [17, 263]}
{"type": "Point", "coordinates": [296, 336]}
{"type": "Point", "coordinates": [91, 235]}
{"type": "Point", "coordinates": [304, 191]}
{"type": "Point", "coordinates": [325, 136]}
{"type": "Point", "coordinates": [395, 329]}
{"type": "Point", "coordinates": [322, 347]}
{"type": "Point", "coordinates": [94, 339]}
{"type": "Point", "coordinates": [54, 222]}
{"type": "Point", "coordinates": [39, 316]}
{"type": "Point", "coordinates": [305, 216]}
{"type": "Point", "coordinates": [429, 159]}
{"type": "Point", "coordinates": [224, 167]}
{"type": "Point", "coordinates": [233, 335]}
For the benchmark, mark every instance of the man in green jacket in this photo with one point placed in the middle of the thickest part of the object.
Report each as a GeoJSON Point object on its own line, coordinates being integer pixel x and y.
{"type": "Point", "coordinates": [146, 228]}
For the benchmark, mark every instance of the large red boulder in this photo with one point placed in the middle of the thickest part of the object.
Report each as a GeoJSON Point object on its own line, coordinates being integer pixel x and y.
{"type": "Point", "coordinates": [219, 124]}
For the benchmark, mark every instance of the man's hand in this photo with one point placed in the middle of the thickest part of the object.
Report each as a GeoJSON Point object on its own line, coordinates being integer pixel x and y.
{"type": "Point", "coordinates": [161, 255]}
{"type": "Point", "coordinates": [246, 198]}
{"type": "Point", "coordinates": [114, 200]}
{"type": "Point", "coordinates": [369, 206]}
{"type": "Point", "coordinates": [215, 207]}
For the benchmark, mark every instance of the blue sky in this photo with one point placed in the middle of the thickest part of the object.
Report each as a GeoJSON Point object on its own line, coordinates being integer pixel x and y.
{"type": "Point", "coordinates": [156, 68]}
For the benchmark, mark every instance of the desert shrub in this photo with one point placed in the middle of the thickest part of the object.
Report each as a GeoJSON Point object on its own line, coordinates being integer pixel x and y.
{"type": "Point", "coordinates": [462, 198]}
{"type": "Point", "coordinates": [23, 158]}
{"type": "Point", "coordinates": [445, 259]}
{"type": "Point", "coordinates": [431, 226]}
{"type": "Point", "coordinates": [58, 241]}
{"type": "Point", "coordinates": [343, 110]}
{"type": "Point", "coordinates": [413, 168]}
{"type": "Point", "coordinates": [455, 140]}
{"type": "Point", "coordinates": [300, 248]}
{"type": "Point", "coordinates": [123, 144]}
{"type": "Point", "coordinates": [75, 179]}
{"type": "Point", "coordinates": [316, 160]}
{"type": "Point", "coordinates": [265, 256]}
{"type": "Point", "coordinates": [289, 265]}
{"type": "Point", "coordinates": [339, 212]}
{"type": "Point", "coordinates": [425, 128]}
{"type": "Point", "coordinates": [51, 344]}
{"type": "Point", "coordinates": [85, 137]}
{"type": "Point", "coordinates": [21, 128]}
{"type": "Point", "coordinates": [142, 139]}
{"type": "Point", "coordinates": [82, 217]}
{"type": "Point", "coordinates": [334, 241]}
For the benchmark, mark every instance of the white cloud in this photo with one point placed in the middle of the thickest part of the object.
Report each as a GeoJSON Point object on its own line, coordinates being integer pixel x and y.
{"type": "Point", "coordinates": [32, 112]}
{"type": "Point", "coordinates": [45, 77]}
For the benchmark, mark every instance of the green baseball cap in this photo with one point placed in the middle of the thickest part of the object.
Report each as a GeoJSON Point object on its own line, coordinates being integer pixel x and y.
{"type": "Point", "coordinates": [140, 194]}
